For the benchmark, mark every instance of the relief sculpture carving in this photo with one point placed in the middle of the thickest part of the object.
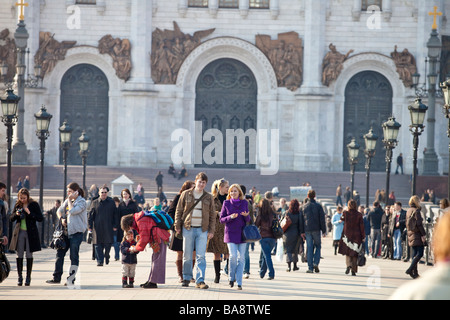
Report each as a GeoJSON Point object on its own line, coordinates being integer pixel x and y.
{"type": "Point", "coordinates": [332, 64]}
{"type": "Point", "coordinates": [50, 51]}
{"type": "Point", "coordinates": [405, 64]}
{"type": "Point", "coordinates": [8, 54]}
{"type": "Point", "coordinates": [120, 52]}
{"type": "Point", "coordinates": [169, 49]}
{"type": "Point", "coordinates": [286, 56]}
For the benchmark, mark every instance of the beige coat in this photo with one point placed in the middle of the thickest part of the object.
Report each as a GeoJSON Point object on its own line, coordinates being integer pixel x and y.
{"type": "Point", "coordinates": [183, 218]}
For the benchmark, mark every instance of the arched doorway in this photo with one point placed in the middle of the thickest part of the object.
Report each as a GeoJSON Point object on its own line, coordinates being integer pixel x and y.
{"type": "Point", "coordinates": [85, 104]}
{"type": "Point", "coordinates": [368, 103]}
{"type": "Point", "coordinates": [226, 99]}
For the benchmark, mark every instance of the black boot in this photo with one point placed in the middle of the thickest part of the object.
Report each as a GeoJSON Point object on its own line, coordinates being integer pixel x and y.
{"type": "Point", "coordinates": [289, 267]}
{"type": "Point", "coordinates": [19, 271]}
{"type": "Point", "coordinates": [29, 269]}
{"type": "Point", "coordinates": [217, 271]}
{"type": "Point", "coordinates": [124, 282]}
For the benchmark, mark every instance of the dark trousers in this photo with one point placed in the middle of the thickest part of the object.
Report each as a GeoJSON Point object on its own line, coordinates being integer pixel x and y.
{"type": "Point", "coordinates": [73, 243]}
{"type": "Point", "coordinates": [102, 252]}
{"type": "Point", "coordinates": [417, 254]}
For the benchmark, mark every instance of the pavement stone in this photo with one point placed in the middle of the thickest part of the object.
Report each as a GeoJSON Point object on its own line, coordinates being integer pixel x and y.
{"type": "Point", "coordinates": [375, 281]}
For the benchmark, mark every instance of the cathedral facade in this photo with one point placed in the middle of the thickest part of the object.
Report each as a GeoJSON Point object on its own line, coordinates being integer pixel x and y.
{"type": "Point", "coordinates": [279, 84]}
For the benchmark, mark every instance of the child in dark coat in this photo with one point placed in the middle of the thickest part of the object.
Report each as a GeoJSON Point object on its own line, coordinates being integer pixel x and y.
{"type": "Point", "coordinates": [129, 259]}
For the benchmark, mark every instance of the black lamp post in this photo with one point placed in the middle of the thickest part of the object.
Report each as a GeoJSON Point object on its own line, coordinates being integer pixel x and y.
{"type": "Point", "coordinates": [84, 150]}
{"type": "Point", "coordinates": [65, 134]}
{"type": "Point", "coordinates": [9, 118]}
{"type": "Point", "coordinates": [390, 134]}
{"type": "Point", "coordinates": [445, 86]}
{"type": "Point", "coordinates": [370, 139]}
{"type": "Point", "coordinates": [417, 111]}
{"type": "Point", "coordinates": [42, 124]}
{"type": "Point", "coordinates": [353, 150]}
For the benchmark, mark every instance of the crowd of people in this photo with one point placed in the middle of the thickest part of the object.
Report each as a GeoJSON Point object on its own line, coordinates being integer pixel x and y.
{"type": "Point", "coordinates": [213, 222]}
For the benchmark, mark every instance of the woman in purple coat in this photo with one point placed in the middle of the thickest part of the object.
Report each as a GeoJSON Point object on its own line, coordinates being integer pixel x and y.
{"type": "Point", "coordinates": [235, 215]}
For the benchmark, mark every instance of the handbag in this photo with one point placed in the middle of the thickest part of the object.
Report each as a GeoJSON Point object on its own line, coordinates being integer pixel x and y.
{"type": "Point", "coordinates": [285, 222]}
{"type": "Point", "coordinates": [250, 233]}
{"type": "Point", "coordinates": [58, 241]}
{"type": "Point", "coordinates": [5, 267]}
{"type": "Point", "coordinates": [277, 231]}
{"type": "Point", "coordinates": [361, 257]}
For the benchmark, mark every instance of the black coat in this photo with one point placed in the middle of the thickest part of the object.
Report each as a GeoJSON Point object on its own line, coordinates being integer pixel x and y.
{"type": "Point", "coordinates": [30, 221]}
{"type": "Point", "coordinates": [103, 217]}
{"type": "Point", "coordinates": [125, 209]}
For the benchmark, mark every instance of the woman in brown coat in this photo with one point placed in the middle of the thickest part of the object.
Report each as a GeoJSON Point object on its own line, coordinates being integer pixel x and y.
{"type": "Point", "coordinates": [353, 236]}
{"type": "Point", "coordinates": [216, 245]}
{"type": "Point", "coordinates": [416, 234]}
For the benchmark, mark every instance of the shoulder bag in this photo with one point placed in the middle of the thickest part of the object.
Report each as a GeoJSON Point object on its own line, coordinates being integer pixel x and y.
{"type": "Point", "coordinates": [58, 241]}
{"type": "Point", "coordinates": [277, 231]}
{"type": "Point", "coordinates": [285, 222]}
{"type": "Point", "coordinates": [250, 233]}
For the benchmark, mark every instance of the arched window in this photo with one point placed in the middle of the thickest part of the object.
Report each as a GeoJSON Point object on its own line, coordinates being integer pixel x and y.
{"type": "Point", "coordinates": [365, 4]}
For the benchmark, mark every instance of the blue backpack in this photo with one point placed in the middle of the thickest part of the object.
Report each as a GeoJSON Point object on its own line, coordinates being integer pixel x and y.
{"type": "Point", "coordinates": [161, 218]}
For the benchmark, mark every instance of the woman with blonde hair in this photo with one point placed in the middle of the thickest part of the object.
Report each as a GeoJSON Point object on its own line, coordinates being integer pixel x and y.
{"type": "Point", "coordinates": [416, 234]}
{"type": "Point", "coordinates": [216, 245]}
{"type": "Point", "coordinates": [235, 215]}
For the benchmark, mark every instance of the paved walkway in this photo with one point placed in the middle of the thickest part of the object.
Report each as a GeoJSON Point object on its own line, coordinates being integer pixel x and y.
{"type": "Point", "coordinates": [376, 281]}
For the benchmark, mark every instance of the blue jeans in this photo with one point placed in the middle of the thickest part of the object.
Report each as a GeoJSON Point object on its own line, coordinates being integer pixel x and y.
{"type": "Point", "coordinates": [73, 243]}
{"type": "Point", "coordinates": [397, 244]}
{"type": "Point", "coordinates": [267, 244]}
{"type": "Point", "coordinates": [237, 261]}
{"type": "Point", "coordinates": [116, 246]}
{"type": "Point", "coordinates": [247, 259]}
{"type": "Point", "coordinates": [194, 238]}
{"type": "Point", "coordinates": [313, 247]}
{"type": "Point", "coordinates": [375, 235]}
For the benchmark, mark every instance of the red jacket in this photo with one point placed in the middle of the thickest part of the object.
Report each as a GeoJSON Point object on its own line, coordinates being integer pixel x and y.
{"type": "Point", "coordinates": [144, 226]}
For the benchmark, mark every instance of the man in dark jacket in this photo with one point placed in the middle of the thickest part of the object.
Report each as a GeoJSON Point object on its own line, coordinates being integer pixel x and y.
{"type": "Point", "coordinates": [375, 217]}
{"type": "Point", "coordinates": [314, 223]}
{"type": "Point", "coordinates": [3, 220]}
{"type": "Point", "coordinates": [104, 222]}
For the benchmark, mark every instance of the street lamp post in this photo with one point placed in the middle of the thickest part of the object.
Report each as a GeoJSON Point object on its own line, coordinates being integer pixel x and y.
{"type": "Point", "coordinates": [390, 134]}
{"type": "Point", "coordinates": [65, 133]}
{"type": "Point", "coordinates": [42, 124]}
{"type": "Point", "coordinates": [417, 111]}
{"type": "Point", "coordinates": [445, 86]}
{"type": "Point", "coordinates": [370, 139]}
{"type": "Point", "coordinates": [9, 118]}
{"type": "Point", "coordinates": [353, 150]}
{"type": "Point", "coordinates": [84, 150]}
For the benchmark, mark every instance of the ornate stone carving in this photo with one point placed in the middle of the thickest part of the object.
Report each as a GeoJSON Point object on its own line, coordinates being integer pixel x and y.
{"type": "Point", "coordinates": [169, 49]}
{"type": "Point", "coordinates": [405, 64]}
{"type": "Point", "coordinates": [120, 52]}
{"type": "Point", "coordinates": [332, 64]}
{"type": "Point", "coordinates": [286, 56]}
{"type": "Point", "coordinates": [50, 51]}
{"type": "Point", "coordinates": [8, 54]}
